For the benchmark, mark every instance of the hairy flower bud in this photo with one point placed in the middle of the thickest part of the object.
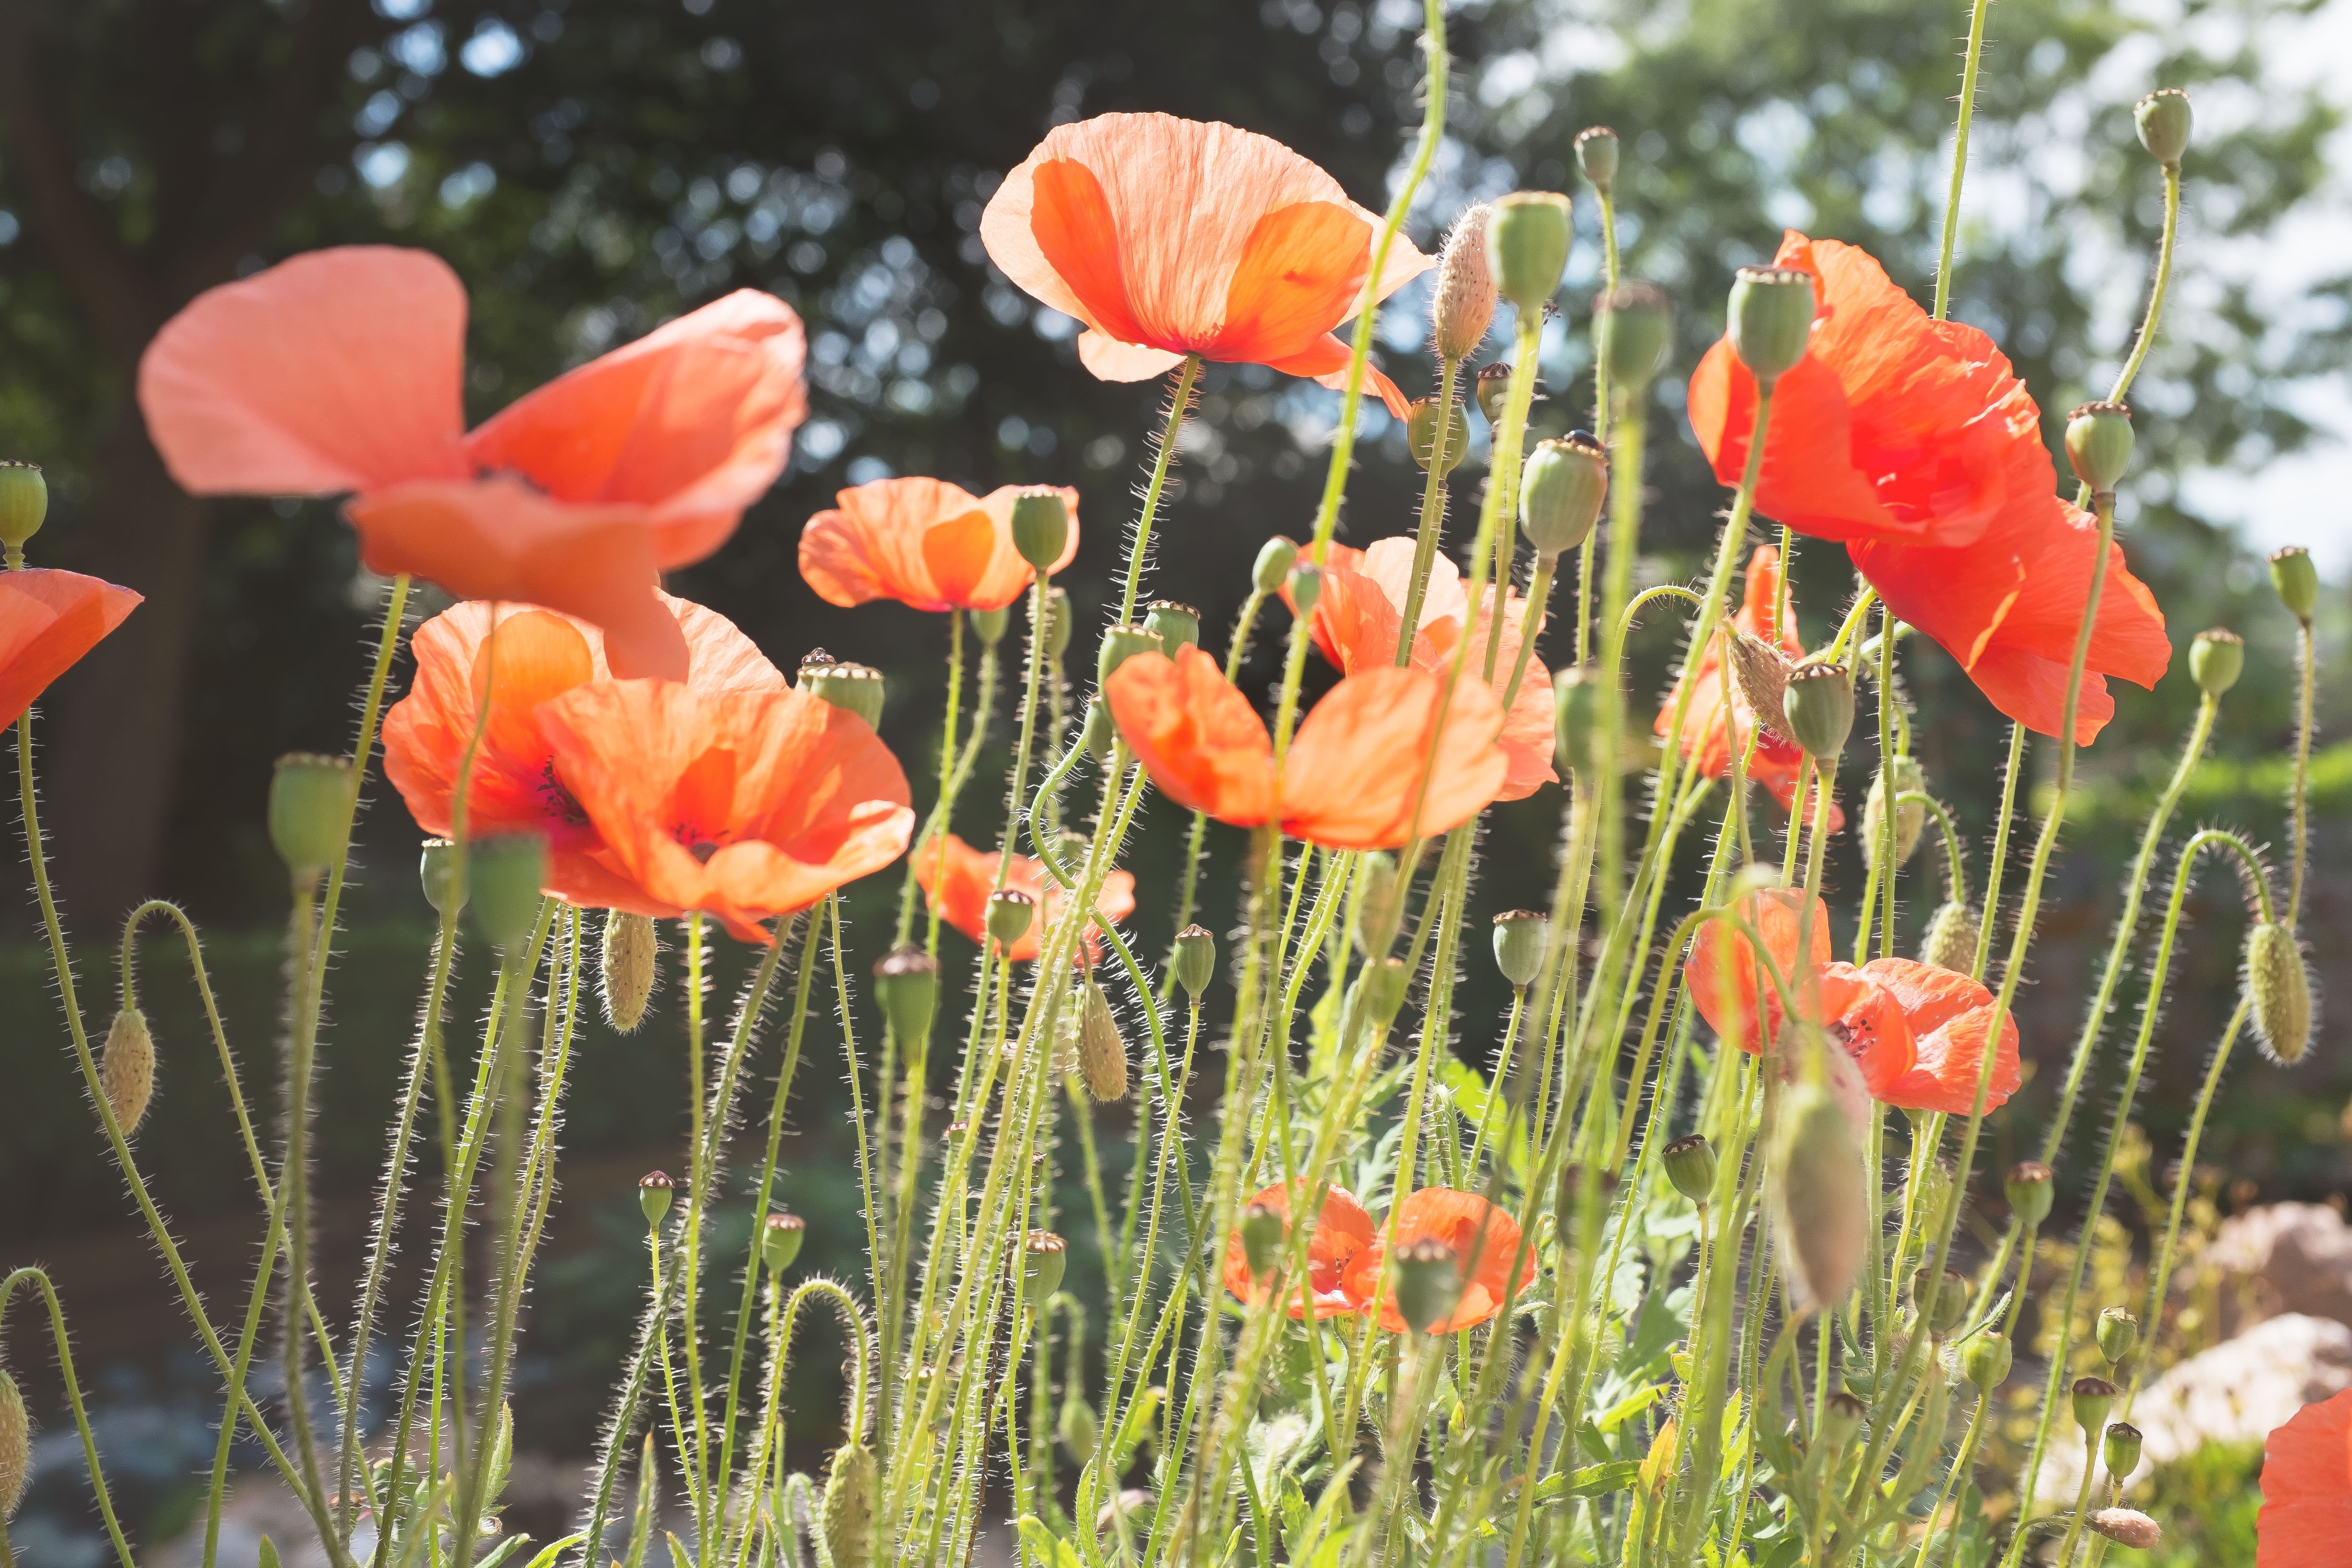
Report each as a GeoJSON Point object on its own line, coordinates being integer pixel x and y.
{"type": "Point", "coordinates": [1044, 1256]}
{"type": "Point", "coordinates": [1818, 703]}
{"type": "Point", "coordinates": [2123, 1446]}
{"type": "Point", "coordinates": [1489, 389]}
{"type": "Point", "coordinates": [1195, 961]}
{"type": "Point", "coordinates": [1632, 325]}
{"type": "Point", "coordinates": [1761, 672]}
{"type": "Point", "coordinates": [907, 979]}
{"type": "Point", "coordinates": [1384, 984]}
{"type": "Point", "coordinates": [628, 968]}
{"type": "Point", "coordinates": [309, 810]}
{"type": "Point", "coordinates": [1262, 1230]}
{"type": "Point", "coordinates": [848, 1515]}
{"type": "Point", "coordinates": [781, 1236]}
{"type": "Point", "coordinates": [15, 1446]}
{"type": "Point", "coordinates": [503, 876]}
{"type": "Point", "coordinates": [1176, 626]}
{"type": "Point", "coordinates": [1985, 1359]}
{"type": "Point", "coordinates": [1521, 937]}
{"type": "Point", "coordinates": [1690, 1166]}
{"type": "Point", "coordinates": [127, 1069]}
{"type": "Point", "coordinates": [23, 505]}
{"type": "Point", "coordinates": [2280, 985]}
{"type": "Point", "coordinates": [2162, 119]}
{"type": "Point", "coordinates": [1076, 1427]}
{"type": "Point", "coordinates": [2216, 658]}
{"type": "Point", "coordinates": [1575, 719]}
{"type": "Point", "coordinates": [1061, 620]}
{"type": "Point", "coordinates": [1040, 525]}
{"type": "Point", "coordinates": [1463, 303]}
{"type": "Point", "coordinates": [1273, 561]}
{"type": "Point", "coordinates": [1010, 912]}
{"type": "Point", "coordinates": [1428, 1283]}
{"type": "Point", "coordinates": [1596, 156]}
{"type": "Point", "coordinates": [1770, 320]}
{"type": "Point", "coordinates": [2296, 580]}
{"type": "Point", "coordinates": [1817, 1181]}
{"type": "Point", "coordinates": [2117, 1333]}
{"type": "Point", "coordinates": [1098, 733]}
{"type": "Point", "coordinates": [1910, 816]}
{"type": "Point", "coordinates": [1951, 939]}
{"type": "Point", "coordinates": [1421, 422]}
{"type": "Point", "coordinates": [1562, 488]}
{"type": "Point", "coordinates": [2030, 1188]}
{"type": "Point", "coordinates": [1102, 1054]}
{"type": "Point", "coordinates": [1376, 902]}
{"type": "Point", "coordinates": [2127, 1527]}
{"type": "Point", "coordinates": [2094, 1397]}
{"type": "Point", "coordinates": [436, 871]}
{"type": "Point", "coordinates": [2099, 444]}
{"type": "Point", "coordinates": [1528, 237]}
{"type": "Point", "coordinates": [654, 1190]}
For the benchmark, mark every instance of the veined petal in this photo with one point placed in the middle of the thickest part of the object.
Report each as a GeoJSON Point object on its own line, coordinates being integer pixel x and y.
{"type": "Point", "coordinates": [1371, 768]}
{"type": "Point", "coordinates": [49, 619]}
{"type": "Point", "coordinates": [1197, 736]}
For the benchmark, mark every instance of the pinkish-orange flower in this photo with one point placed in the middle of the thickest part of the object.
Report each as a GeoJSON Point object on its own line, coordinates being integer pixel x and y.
{"type": "Point", "coordinates": [2306, 1517]}
{"type": "Point", "coordinates": [924, 542]}
{"type": "Point", "coordinates": [1339, 1235]}
{"type": "Point", "coordinates": [49, 619]}
{"type": "Point", "coordinates": [1724, 977]}
{"type": "Point", "coordinates": [1918, 1033]}
{"type": "Point", "coordinates": [1170, 237]}
{"type": "Point", "coordinates": [957, 882]}
{"type": "Point", "coordinates": [1485, 1239]}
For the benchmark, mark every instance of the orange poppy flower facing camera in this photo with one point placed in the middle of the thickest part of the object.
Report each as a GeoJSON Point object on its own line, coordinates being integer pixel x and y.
{"type": "Point", "coordinates": [1170, 237]}
{"type": "Point", "coordinates": [1483, 1239]}
{"type": "Point", "coordinates": [1340, 1235]}
{"type": "Point", "coordinates": [924, 542]}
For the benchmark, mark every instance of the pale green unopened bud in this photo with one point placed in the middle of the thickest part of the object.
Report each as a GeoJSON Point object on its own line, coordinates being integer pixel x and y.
{"type": "Point", "coordinates": [1195, 961]}
{"type": "Point", "coordinates": [654, 1190]}
{"type": "Point", "coordinates": [2092, 1398]}
{"type": "Point", "coordinates": [127, 1069]}
{"type": "Point", "coordinates": [1384, 984]}
{"type": "Point", "coordinates": [1120, 644]}
{"type": "Point", "coordinates": [309, 810]}
{"type": "Point", "coordinates": [989, 626]}
{"type": "Point", "coordinates": [1010, 913]}
{"type": "Point", "coordinates": [1770, 320]}
{"type": "Point", "coordinates": [436, 871]}
{"type": "Point", "coordinates": [1690, 1166]}
{"type": "Point", "coordinates": [1376, 902]}
{"type": "Point", "coordinates": [630, 949]}
{"type": "Point", "coordinates": [2123, 1446]}
{"type": "Point", "coordinates": [1596, 155]}
{"type": "Point", "coordinates": [1306, 587]}
{"type": "Point", "coordinates": [1818, 1179]}
{"type": "Point", "coordinates": [2117, 1333]}
{"type": "Point", "coordinates": [1632, 325]}
{"type": "Point", "coordinates": [852, 688]}
{"type": "Point", "coordinates": [1262, 1232]}
{"type": "Point", "coordinates": [2163, 120]}
{"type": "Point", "coordinates": [15, 1446]}
{"type": "Point", "coordinates": [1576, 728]}
{"type": "Point", "coordinates": [1274, 561]}
{"type": "Point", "coordinates": [1560, 492]}
{"type": "Point", "coordinates": [848, 1510]}
{"type": "Point", "coordinates": [1421, 423]}
{"type": "Point", "coordinates": [1528, 237]}
{"type": "Point", "coordinates": [2099, 444]}
{"type": "Point", "coordinates": [1061, 620]}
{"type": "Point", "coordinates": [1076, 1427]}
{"type": "Point", "coordinates": [1910, 816]}
{"type": "Point", "coordinates": [1841, 1422]}
{"type": "Point", "coordinates": [1176, 626]}
{"type": "Point", "coordinates": [1040, 525]}
{"type": "Point", "coordinates": [1489, 389]}
{"type": "Point", "coordinates": [1098, 734]}
{"type": "Point", "coordinates": [1462, 305]}
{"type": "Point", "coordinates": [1428, 1283]}
{"type": "Point", "coordinates": [1985, 1359]}
{"type": "Point", "coordinates": [1102, 1054]}
{"type": "Point", "coordinates": [2030, 1188]}
{"type": "Point", "coordinates": [1941, 1299]}
{"type": "Point", "coordinates": [1520, 938]}
{"type": "Point", "coordinates": [2216, 658]}
{"type": "Point", "coordinates": [24, 504]}
{"type": "Point", "coordinates": [1818, 703]}
{"type": "Point", "coordinates": [781, 1236]}
{"type": "Point", "coordinates": [2127, 1527]}
{"type": "Point", "coordinates": [2280, 985]}
{"type": "Point", "coordinates": [2296, 580]}
{"type": "Point", "coordinates": [1951, 940]}
{"type": "Point", "coordinates": [504, 875]}
{"type": "Point", "coordinates": [1043, 1257]}
{"type": "Point", "coordinates": [907, 979]}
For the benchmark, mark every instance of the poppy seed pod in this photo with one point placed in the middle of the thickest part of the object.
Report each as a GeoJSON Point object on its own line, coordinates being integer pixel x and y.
{"type": "Point", "coordinates": [309, 810]}
{"type": "Point", "coordinates": [781, 1236]}
{"type": "Point", "coordinates": [2216, 658]}
{"type": "Point", "coordinates": [1102, 1054]}
{"type": "Point", "coordinates": [1770, 320]}
{"type": "Point", "coordinates": [1384, 985]}
{"type": "Point", "coordinates": [1818, 703]}
{"type": "Point", "coordinates": [436, 871]}
{"type": "Point", "coordinates": [1462, 305]}
{"type": "Point", "coordinates": [2127, 1527]}
{"type": "Point", "coordinates": [1306, 587]}
{"type": "Point", "coordinates": [1596, 155]}
{"type": "Point", "coordinates": [1044, 1256]}
{"type": "Point", "coordinates": [1009, 911]}
{"type": "Point", "coordinates": [2280, 989]}
{"type": "Point", "coordinates": [15, 1446]}
{"type": "Point", "coordinates": [2296, 580]}
{"type": "Point", "coordinates": [1560, 492]}
{"type": "Point", "coordinates": [1951, 939]}
{"type": "Point", "coordinates": [1944, 1301]}
{"type": "Point", "coordinates": [654, 1190]}
{"type": "Point", "coordinates": [1428, 1283]}
{"type": "Point", "coordinates": [127, 1069]}
{"type": "Point", "coordinates": [1521, 937]}
{"type": "Point", "coordinates": [2030, 1188]}
{"type": "Point", "coordinates": [1195, 961]}
{"type": "Point", "coordinates": [1487, 390]}
{"type": "Point", "coordinates": [1818, 1180]}
{"type": "Point", "coordinates": [2123, 1445]}
{"type": "Point", "coordinates": [907, 979]}
{"type": "Point", "coordinates": [848, 1515]}
{"type": "Point", "coordinates": [1120, 644]}
{"type": "Point", "coordinates": [852, 688]}
{"type": "Point", "coordinates": [504, 875]}
{"type": "Point", "coordinates": [1527, 235]}
{"type": "Point", "coordinates": [1910, 816]}
{"type": "Point", "coordinates": [1262, 1231]}
{"type": "Point", "coordinates": [1421, 434]}
{"type": "Point", "coordinates": [24, 504]}
{"type": "Point", "coordinates": [1575, 720]}
{"type": "Point", "coordinates": [2117, 1333]}
{"type": "Point", "coordinates": [1985, 1359]}
{"type": "Point", "coordinates": [1061, 620]}
{"type": "Point", "coordinates": [1841, 1421]}
{"type": "Point", "coordinates": [1040, 525]}
{"type": "Point", "coordinates": [1098, 732]}
{"type": "Point", "coordinates": [2163, 120]}
{"type": "Point", "coordinates": [1272, 569]}
{"type": "Point", "coordinates": [1376, 905]}
{"type": "Point", "coordinates": [1632, 325]}
{"type": "Point", "coordinates": [628, 968]}
{"type": "Point", "coordinates": [2099, 444]}
{"type": "Point", "coordinates": [1177, 625]}
{"type": "Point", "coordinates": [989, 626]}
{"type": "Point", "coordinates": [1690, 1166]}
{"type": "Point", "coordinates": [2094, 1397]}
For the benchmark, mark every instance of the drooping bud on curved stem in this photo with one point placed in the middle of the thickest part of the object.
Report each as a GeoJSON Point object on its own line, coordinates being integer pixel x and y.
{"type": "Point", "coordinates": [126, 1071]}
{"type": "Point", "coordinates": [2280, 988]}
{"type": "Point", "coordinates": [1102, 1053]}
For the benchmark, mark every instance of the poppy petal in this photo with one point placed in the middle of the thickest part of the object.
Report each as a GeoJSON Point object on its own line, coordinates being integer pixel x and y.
{"type": "Point", "coordinates": [1195, 733]}
{"type": "Point", "coordinates": [1486, 1241]}
{"type": "Point", "coordinates": [1723, 975]}
{"type": "Point", "coordinates": [1343, 1230]}
{"type": "Point", "coordinates": [1950, 1058]}
{"type": "Point", "coordinates": [49, 619]}
{"type": "Point", "coordinates": [1324, 360]}
{"type": "Point", "coordinates": [958, 880]}
{"type": "Point", "coordinates": [1371, 768]}
{"type": "Point", "coordinates": [2307, 1484]}
{"type": "Point", "coordinates": [1079, 237]}
{"type": "Point", "coordinates": [1109, 360]}
{"type": "Point", "coordinates": [1285, 292]}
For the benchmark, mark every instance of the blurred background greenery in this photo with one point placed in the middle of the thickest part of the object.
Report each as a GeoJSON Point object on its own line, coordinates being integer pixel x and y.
{"type": "Point", "coordinates": [591, 167]}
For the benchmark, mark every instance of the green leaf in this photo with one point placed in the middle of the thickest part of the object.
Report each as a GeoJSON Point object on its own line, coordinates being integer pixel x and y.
{"type": "Point", "coordinates": [548, 1554]}
{"type": "Point", "coordinates": [1592, 1480]}
{"type": "Point", "coordinates": [269, 1556]}
{"type": "Point", "coordinates": [1043, 1541]}
{"type": "Point", "coordinates": [1633, 1405]}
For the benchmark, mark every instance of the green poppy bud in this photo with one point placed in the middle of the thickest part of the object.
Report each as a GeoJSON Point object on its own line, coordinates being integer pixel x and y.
{"type": "Point", "coordinates": [1120, 644]}
{"type": "Point", "coordinates": [1060, 622]}
{"type": "Point", "coordinates": [1428, 1283]}
{"type": "Point", "coordinates": [1632, 325]}
{"type": "Point", "coordinates": [23, 504]}
{"type": "Point", "coordinates": [1951, 939]}
{"type": "Point", "coordinates": [1462, 305]}
{"type": "Point", "coordinates": [309, 810]}
{"type": "Point", "coordinates": [1770, 320]}
{"type": "Point", "coordinates": [1044, 1256]}
{"type": "Point", "coordinates": [1596, 155]}
{"type": "Point", "coordinates": [1098, 732]}
{"type": "Point", "coordinates": [654, 1190]}
{"type": "Point", "coordinates": [2031, 1188]}
{"type": "Point", "coordinates": [126, 1072]}
{"type": "Point", "coordinates": [1421, 434]}
{"type": "Point", "coordinates": [907, 979]}
{"type": "Point", "coordinates": [1376, 902]}
{"type": "Point", "coordinates": [1040, 525]}
{"type": "Point", "coordinates": [1819, 702]}
{"type": "Point", "coordinates": [1817, 1181]}
{"type": "Point", "coordinates": [1562, 488]}
{"type": "Point", "coordinates": [1520, 938]}
{"type": "Point", "coordinates": [1941, 1299]}
{"type": "Point", "coordinates": [2296, 580]}
{"type": "Point", "coordinates": [1177, 625]}
{"type": "Point", "coordinates": [2162, 119]}
{"type": "Point", "coordinates": [989, 626]}
{"type": "Point", "coordinates": [1488, 388]}
{"type": "Point", "coordinates": [2127, 1527]}
{"type": "Point", "coordinates": [1076, 1427]}
{"type": "Point", "coordinates": [1195, 963]}
{"type": "Point", "coordinates": [1841, 1422]}
{"type": "Point", "coordinates": [1985, 1359]}
{"type": "Point", "coordinates": [2117, 1333]}
{"type": "Point", "coordinates": [1528, 237]}
{"type": "Point", "coordinates": [1263, 1232]}
{"type": "Point", "coordinates": [1384, 984]}
{"type": "Point", "coordinates": [1272, 567]}
{"type": "Point", "coordinates": [15, 1446]}
{"type": "Point", "coordinates": [630, 949]}
{"type": "Point", "coordinates": [1102, 1053]}
{"type": "Point", "coordinates": [1690, 1166]}
{"type": "Point", "coordinates": [1306, 587]}
{"type": "Point", "coordinates": [2280, 985]}
{"type": "Point", "coordinates": [2099, 444]}
{"type": "Point", "coordinates": [1010, 913]}
{"type": "Point", "coordinates": [2094, 1397]}
{"type": "Point", "coordinates": [1910, 816]}
{"type": "Point", "coordinates": [781, 1236]}
{"type": "Point", "coordinates": [436, 870]}
{"type": "Point", "coordinates": [847, 1513]}
{"type": "Point", "coordinates": [1575, 719]}
{"type": "Point", "coordinates": [852, 688]}
{"type": "Point", "coordinates": [504, 875]}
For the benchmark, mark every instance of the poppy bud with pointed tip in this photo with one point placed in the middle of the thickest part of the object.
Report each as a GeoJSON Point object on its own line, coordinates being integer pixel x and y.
{"type": "Point", "coordinates": [1770, 320]}
{"type": "Point", "coordinates": [1690, 1166]}
{"type": "Point", "coordinates": [1575, 719]}
{"type": "Point", "coordinates": [847, 1513]}
{"type": "Point", "coordinates": [15, 1446]}
{"type": "Point", "coordinates": [1272, 568]}
{"type": "Point", "coordinates": [2094, 1397]}
{"type": "Point", "coordinates": [1262, 1231]}
{"type": "Point", "coordinates": [1421, 434]}
{"type": "Point", "coordinates": [1060, 622]}
{"type": "Point", "coordinates": [907, 979]}
{"type": "Point", "coordinates": [1195, 961]}
{"type": "Point", "coordinates": [1040, 525]}
{"type": "Point", "coordinates": [1951, 939]}
{"type": "Point", "coordinates": [1428, 1283]}
{"type": "Point", "coordinates": [2123, 1446]}
{"type": "Point", "coordinates": [1632, 326]}
{"type": "Point", "coordinates": [309, 810]}
{"type": "Point", "coordinates": [989, 626]}
{"type": "Point", "coordinates": [126, 1072]}
{"type": "Point", "coordinates": [436, 871]}
{"type": "Point", "coordinates": [2280, 987]}
{"type": "Point", "coordinates": [628, 968]}
{"type": "Point", "coordinates": [1910, 815]}
{"type": "Point", "coordinates": [1527, 235]}
{"type": "Point", "coordinates": [1384, 985]}
{"type": "Point", "coordinates": [1841, 1422]}
{"type": "Point", "coordinates": [2127, 1527]}
{"type": "Point", "coordinates": [654, 1190]}
{"type": "Point", "coordinates": [2296, 580]}
{"type": "Point", "coordinates": [1818, 703]}
{"type": "Point", "coordinates": [2163, 120]}
{"type": "Point", "coordinates": [1488, 388]}
{"type": "Point", "coordinates": [1102, 1053]}
{"type": "Point", "coordinates": [2117, 1333]}
{"type": "Point", "coordinates": [1596, 155]}
{"type": "Point", "coordinates": [781, 1236]}
{"type": "Point", "coordinates": [24, 504]}
{"type": "Point", "coordinates": [1462, 305]}
{"type": "Point", "coordinates": [1985, 1359]}
{"type": "Point", "coordinates": [1177, 625]}
{"type": "Point", "coordinates": [852, 688]}
{"type": "Point", "coordinates": [2216, 658]}
{"type": "Point", "coordinates": [1044, 1256]}
{"type": "Point", "coordinates": [1760, 671]}
{"type": "Point", "coordinates": [504, 875]}
{"type": "Point", "coordinates": [1098, 732]}
{"type": "Point", "coordinates": [1942, 1298]}
{"type": "Point", "coordinates": [2031, 1188]}
{"type": "Point", "coordinates": [2099, 444]}
{"type": "Point", "coordinates": [1818, 1182]}
{"type": "Point", "coordinates": [1520, 938]}
{"type": "Point", "coordinates": [1306, 587]}
{"type": "Point", "coordinates": [1120, 644]}
{"type": "Point", "coordinates": [1010, 913]}
{"type": "Point", "coordinates": [1560, 492]}
{"type": "Point", "coordinates": [1376, 902]}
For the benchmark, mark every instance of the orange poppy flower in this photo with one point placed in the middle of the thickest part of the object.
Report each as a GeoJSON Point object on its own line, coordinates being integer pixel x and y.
{"type": "Point", "coordinates": [1918, 1033]}
{"type": "Point", "coordinates": [1485, 1239]}
{"type": "Point", "coordinates": [1371, 767]}
{"type": "Point", "coordinates": [958, 880]}
{"type": "Point", "coordinates": [747, 804]}
{"type": "Point", "coordinates": [1170, 237]}
{"type": "Point", "coordinates": [2306, 1516]}
{"type": "Point", "coordinates": [1910, 441]}
{"type": "Point", "coordinates": [923, 542]}
{"type": "Point", "coordinates": [1339, 1235]}
{"type": "Point", "coordinates": [514, 787]}
{"type": "Point", "coordinates": [342, 371]}
{"type": "Point", "coordinates": [1362, 609]}
{"type": "Point", "coordinates": [1714, 739]}
{"type": "Point", "coordinates": [49, 619]}
{"type": "Point", "coordinates": [1723, 975]}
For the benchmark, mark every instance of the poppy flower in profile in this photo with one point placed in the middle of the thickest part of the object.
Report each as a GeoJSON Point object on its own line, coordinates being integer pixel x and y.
{"type": "Point", "coordinates": [1714, 738]}
{"type": "Point", "coordinates": [1358, 617]}
{"type": "Point", "coordinates": [514, 787]}
{"type": "Point", "coordinates": [49, 619]}
{"type": "Point", "coordinates": [1485, 1241]}
{"type": "Point", "coordinates": [1382, 760]}
{"type": "Point", "coordinates": [1723, 975]}
{"type": "Point", "coordinates": [1918, 1033]}
{"type": "Point", "coordinates": [1910, 441]}
{"type": "Point", "coordinates": [2306, 1515]}
{"type": "Point", "coordinates": [342, 371]}
{"type": "Point", "coordinates": [958, 880]}
{"type": "Point", "coordinates": [1340, 1235]}
{"type": "Point", "coordinates": [747, 804]}
{"type": "Point", "coordinates": [1168, 237]}
{"type": "Point", "coordinates": [924, 542]}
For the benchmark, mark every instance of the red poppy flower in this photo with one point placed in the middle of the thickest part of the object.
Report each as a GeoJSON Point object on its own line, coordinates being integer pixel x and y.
{"type": "Point", "coordinates": [1371, 767]}
{"type": "Point", "coordinates": [958, 880]}
{"type": "Point", "coordinates": [1714, 739]}
{"type": "Point", "coordinates": [1918, 1033]}
{"type": "Point", "coordinates": [2306, 1517]}
{"type": "Point", "coordinates": [49, 619]}
{"type": "Point", "coordinates": [923, 542]}
{"type": "Point", "coordinates": [1910, 440]}
{"type": "Point", "coordinates": [1723, 975]}
{"type": "Point", "coordinates": [1171, 236]}
{"type": "Point", "coordinates": [1485, 1241]}
{"type": "Point", "coordinates": [514, 787]}
{"type": "Point", "coordinates": [745, 804]}
{"type": "Point", "coordinates": [1358, 617]}
{"type": "Point", "coordinates": [342, 371]}
{"type": "Point", "coordinates": [1342, 1233]}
